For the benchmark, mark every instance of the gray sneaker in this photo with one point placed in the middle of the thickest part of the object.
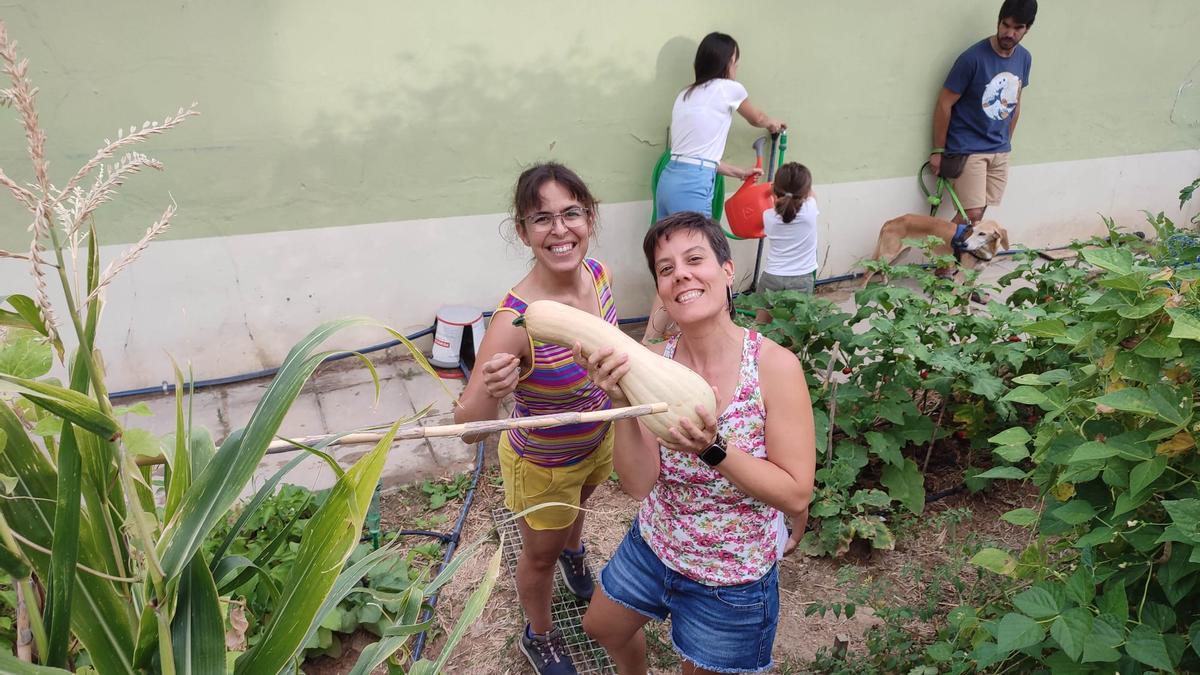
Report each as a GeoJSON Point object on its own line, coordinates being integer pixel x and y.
{"type": "Point", "coordinates": [575, 574]}
{"type": "Point", "coordinates": [547, 653]}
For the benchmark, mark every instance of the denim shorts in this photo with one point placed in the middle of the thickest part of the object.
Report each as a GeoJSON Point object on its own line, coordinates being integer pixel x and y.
{"type": "Point", "coordinates": [684, 187]}
{"type": "Point", "coordinates": [726, 629]}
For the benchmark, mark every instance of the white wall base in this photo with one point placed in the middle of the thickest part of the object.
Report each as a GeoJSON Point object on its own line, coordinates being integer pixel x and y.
{"type": "Point", "coordinates": [234, 304]}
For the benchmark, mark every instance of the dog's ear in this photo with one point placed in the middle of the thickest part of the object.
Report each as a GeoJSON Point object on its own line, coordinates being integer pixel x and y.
{"type": "Point", "coordinates": [1003, 238]}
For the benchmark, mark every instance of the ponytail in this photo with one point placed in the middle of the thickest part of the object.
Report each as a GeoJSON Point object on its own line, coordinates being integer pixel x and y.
{"type": "Point", "coordinates": [792, 187]}
{"type": "Point", "coordinates": [787, 206]}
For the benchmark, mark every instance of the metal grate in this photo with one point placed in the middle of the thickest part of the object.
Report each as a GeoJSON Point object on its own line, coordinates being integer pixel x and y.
{"type": "Point", "coordinates": [565, 609]}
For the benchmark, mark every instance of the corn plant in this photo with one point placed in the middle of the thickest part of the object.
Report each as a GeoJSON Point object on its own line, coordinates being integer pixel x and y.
{"type": "Point", "coordinates": [120, 564]}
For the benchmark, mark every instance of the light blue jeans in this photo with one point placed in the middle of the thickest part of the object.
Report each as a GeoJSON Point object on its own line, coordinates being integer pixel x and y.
{"type": "Point", "coordinates": [685, 187]}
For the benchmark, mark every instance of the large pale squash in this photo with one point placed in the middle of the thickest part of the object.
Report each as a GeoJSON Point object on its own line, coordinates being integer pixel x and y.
{"type": "Point", "coordinates": [651, 378]}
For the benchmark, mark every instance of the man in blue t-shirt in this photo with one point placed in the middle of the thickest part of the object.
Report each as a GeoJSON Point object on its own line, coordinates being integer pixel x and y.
{"type": "Point", "coordinates": [977, 109]}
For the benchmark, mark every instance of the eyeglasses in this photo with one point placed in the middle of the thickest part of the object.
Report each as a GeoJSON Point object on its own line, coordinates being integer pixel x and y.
{"type": "Point", "coordinates": [544, 222]}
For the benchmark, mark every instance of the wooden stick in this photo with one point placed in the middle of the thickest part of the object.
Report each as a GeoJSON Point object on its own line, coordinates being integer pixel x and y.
{"type": "Point", "coordinates": [469, 428]}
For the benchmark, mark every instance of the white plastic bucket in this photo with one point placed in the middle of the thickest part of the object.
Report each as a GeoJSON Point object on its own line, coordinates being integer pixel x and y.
{"type": "Point", "coordinates": [453, 322]}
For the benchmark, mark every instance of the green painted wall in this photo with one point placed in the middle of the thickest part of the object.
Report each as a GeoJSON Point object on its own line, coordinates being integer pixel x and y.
{"type": "Point", "coordinates": [324, 114]}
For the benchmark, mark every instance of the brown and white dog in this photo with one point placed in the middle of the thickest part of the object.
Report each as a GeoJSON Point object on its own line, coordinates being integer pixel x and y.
{"type": "Point", "coordinates": [973, 246]}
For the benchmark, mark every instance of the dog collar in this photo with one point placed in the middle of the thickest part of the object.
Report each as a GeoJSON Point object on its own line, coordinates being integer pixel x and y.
{"type": "Point", "coordinates": [959, 241]}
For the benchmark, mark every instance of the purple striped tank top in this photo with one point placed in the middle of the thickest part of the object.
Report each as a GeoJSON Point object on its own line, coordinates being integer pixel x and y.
{"type": "Point", "coordinates": [557, 384]}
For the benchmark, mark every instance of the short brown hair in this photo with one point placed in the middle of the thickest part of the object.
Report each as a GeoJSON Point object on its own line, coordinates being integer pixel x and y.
{"type": "Point", "coordinates": [690, 221]}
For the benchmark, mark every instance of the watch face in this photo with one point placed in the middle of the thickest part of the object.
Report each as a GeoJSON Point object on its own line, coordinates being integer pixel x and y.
{"type": "Point", "coordinates": [714, 454]}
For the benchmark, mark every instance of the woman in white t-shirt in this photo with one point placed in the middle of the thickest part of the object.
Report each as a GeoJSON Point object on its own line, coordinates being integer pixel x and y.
{"type": "Point", "coordinates": [791, 229]}
{"type": "Point", "coordinates": [700, 121]}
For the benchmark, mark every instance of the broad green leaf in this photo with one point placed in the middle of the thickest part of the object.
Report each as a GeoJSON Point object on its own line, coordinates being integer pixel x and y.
{"type": "Point", "coordinates": [1130, 282]}
{"type": "Point", "coordinates": [1116, 260]}
{"type": "Point", "coordinates": [28, 315]}
{"type": "Point", "coordinates": [1011, 436]}
{"type": "Point", "coordinates": [1017, 631]}
{"type": "Point", "coordinates": [1099, 535]}
{"type": "Point", "coordinates": [905, 484]}
{"type": "Point", "coordinates": [1046, 328]}
{"type": "Point", "coordinates": [140, 442]}
{"type": "Point", "coordinates": [1011, 453]}
{"type": "Point", "coordinates": [940, 652]}
{"type": "Point", "coordinates": [885, 447]}
{"type": "Point", "coordinates": [1037, 602]}
{"type": "Point", "coordinates": [1144, 308]}
{"type": "Point", "coordinates": [1081, 586]}
{"type": "Point", "coordinates": [1114, 600]}
{"type": "Point", "coordinates": [1048, 377]}
{"type": "Point", "coordinates": [1091, 450]}
{"type": "Point", "coordinates": [198, 628]}
{"type": "Point", "coordinates": [1170, 405]}
{"type": "Point", "coordinates": [1146, 473]}
{"type": "Point", "coordinates": [1130, 399]}
{"type": "Point", "coordinates": [986, 385]}
{"type": "Point", "coordinates": [329, 538]}
{"type": "Point", "coordinates": [1147, 646]}
{"type": "Point", "coordinates": [1027, 395]}
{"type": "Point", "coordinates": [1021, 516]}
{"type": "Point", "coordinates": [1074, 512]}
{"type": "Point", "coordinates": [1003, 473]}
{"type": "Point", "coordinates": [1071, 631]}
{"type": "Point", "coordinates": [1186, 327]}
{"type": "Point", "coordinates": [995, 560]}
{"type": "Point", "coordinates": [1185, 514]}
{"type": "Point", "coordinates": [1107, 634]}
{"type": "Point", "coordinates": [24, 353]}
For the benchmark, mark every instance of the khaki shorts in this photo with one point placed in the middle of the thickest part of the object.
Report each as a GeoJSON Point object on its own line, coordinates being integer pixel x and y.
{"type": "Point", "coordinates": [774, 282]}
{"type": "Point", "coordinates": [526, 484]}
{"type": "Point", "coordinates": [983, 180]}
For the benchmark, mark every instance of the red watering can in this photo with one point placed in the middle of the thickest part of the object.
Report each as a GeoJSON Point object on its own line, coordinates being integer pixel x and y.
{"type": "Point", "coordinates": [745, 208]}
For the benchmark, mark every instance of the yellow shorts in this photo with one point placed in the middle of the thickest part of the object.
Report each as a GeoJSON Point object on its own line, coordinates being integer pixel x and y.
{"type": "Point", "coordinates": [983, 180]}
{"type": "Point", "coordinates": [526, 484]}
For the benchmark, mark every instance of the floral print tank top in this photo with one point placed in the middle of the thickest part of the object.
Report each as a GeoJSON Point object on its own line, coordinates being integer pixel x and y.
{"type": "Point", "coordinates": [696, 521]}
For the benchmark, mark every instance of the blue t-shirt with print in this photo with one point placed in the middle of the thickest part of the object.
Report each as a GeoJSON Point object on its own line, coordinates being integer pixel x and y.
{"type": "Point", "coordinates": [988, 85]}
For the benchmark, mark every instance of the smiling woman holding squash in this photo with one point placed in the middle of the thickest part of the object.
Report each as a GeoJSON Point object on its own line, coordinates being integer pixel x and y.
{"type": "Point", "coordinates": [555, 216]}
{"type": "Point", "coordinates": [705, 545]}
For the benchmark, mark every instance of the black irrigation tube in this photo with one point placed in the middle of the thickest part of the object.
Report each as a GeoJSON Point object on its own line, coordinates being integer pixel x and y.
{"type": "Point", "coordinates": [452, 540]}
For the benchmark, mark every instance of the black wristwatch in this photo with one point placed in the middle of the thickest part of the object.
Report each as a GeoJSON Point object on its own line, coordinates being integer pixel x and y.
{"type": "Point", "coordinates": [715, 453]}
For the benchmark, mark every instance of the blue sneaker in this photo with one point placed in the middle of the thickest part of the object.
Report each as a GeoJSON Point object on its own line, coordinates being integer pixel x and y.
{"type": "Point", "coordinates": [575, 574]}
{"type": "Point", "coordinates": [547, 653]}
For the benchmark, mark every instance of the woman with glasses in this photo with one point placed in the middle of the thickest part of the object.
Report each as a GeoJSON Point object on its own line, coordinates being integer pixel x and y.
{"type": "Point", "coordinates": [555, 216]}
{"type": "Point", "coordinates": [700, 121]}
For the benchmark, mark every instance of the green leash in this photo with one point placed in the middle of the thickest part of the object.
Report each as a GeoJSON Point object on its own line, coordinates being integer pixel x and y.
{"type": "Point", "coordinates": [935, 198]}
